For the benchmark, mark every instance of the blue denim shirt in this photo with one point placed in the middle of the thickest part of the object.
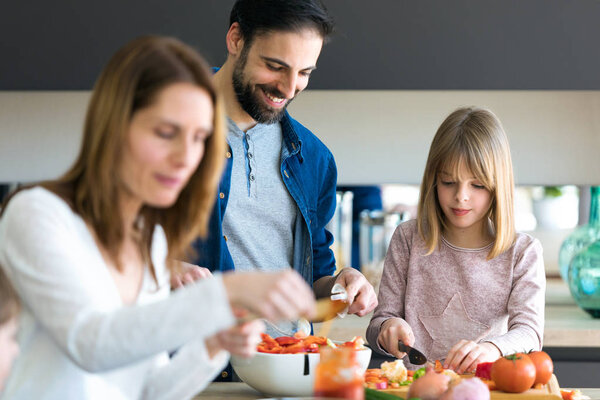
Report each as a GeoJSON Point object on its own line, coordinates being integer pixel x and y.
{"type": "Point", "coordinates": [309, 173]}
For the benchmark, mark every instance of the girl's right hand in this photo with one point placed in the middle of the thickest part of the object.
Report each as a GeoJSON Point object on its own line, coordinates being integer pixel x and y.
{"type": "Point", "coordinates": [273, 296]}
{"type": "Point", "coordinates": [392, 330]}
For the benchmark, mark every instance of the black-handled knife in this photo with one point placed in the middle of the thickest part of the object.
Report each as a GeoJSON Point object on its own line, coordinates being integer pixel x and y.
{"type": "Point", "coordinates": [414, 355]}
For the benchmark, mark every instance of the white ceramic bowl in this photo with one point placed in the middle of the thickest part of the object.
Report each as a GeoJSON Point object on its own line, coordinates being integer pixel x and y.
{"type": "Point", "coordinates": [283, 374]}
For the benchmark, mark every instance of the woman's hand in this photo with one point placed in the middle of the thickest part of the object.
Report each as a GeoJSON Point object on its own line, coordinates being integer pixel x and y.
{"type": "Point", "coordinates": [242, 340]}
{"type": "Point", "coordinates": [393, 330]}
{"type": "Point", "coordinates": [188, 273]}
{"type": "Point", "coordinates": [274, 296]}
{"type": "Point", "coordinates": [466, 354]}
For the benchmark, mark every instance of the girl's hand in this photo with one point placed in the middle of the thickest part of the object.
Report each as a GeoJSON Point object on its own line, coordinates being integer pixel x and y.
{"type": "Point", "coordinates": [466, 354]}
{"type": "Point", "coordinates": [187, 274]}
{"type": "Point", "coordinates": [392, 330]}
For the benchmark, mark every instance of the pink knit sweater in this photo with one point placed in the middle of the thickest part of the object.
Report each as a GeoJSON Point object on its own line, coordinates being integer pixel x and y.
{"type": "Point", "coordinates": [455, 293]}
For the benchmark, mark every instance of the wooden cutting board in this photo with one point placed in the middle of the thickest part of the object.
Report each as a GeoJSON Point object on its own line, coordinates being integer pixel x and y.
{"type": "Point", "coordinates": [550, 391]}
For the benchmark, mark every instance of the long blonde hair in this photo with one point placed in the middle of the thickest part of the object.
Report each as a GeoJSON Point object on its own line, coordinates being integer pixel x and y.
{"type": "Point", "coordinates": [474, 137]}
{"type": "Point", "coordinates": [130, 81]}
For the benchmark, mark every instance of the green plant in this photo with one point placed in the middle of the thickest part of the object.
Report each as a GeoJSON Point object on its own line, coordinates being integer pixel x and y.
{"type": "Point", "coordinates": [553, 191]}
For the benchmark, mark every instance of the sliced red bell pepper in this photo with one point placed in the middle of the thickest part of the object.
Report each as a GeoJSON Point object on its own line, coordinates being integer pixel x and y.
{"type": "Point", "coordinates": [294, 348]}
{"type": "Point", "coordinates": [484, 370]}
{"type": "Point", "coordinates": [286, 340]}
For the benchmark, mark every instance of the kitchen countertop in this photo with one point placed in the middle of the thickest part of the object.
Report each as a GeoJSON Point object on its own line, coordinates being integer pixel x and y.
{"type": "Point", "coordinates": [566, 324]}
{"type": "Point", "coordinates": [241, 391]}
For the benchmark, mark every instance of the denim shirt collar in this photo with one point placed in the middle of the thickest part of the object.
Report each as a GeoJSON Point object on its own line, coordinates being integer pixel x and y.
{"type": "Point", "coordinates": [293, 144]}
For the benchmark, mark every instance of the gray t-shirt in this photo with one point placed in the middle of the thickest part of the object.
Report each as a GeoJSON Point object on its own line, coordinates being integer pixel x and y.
{"type": "Point", "coordinates": [260, 216]}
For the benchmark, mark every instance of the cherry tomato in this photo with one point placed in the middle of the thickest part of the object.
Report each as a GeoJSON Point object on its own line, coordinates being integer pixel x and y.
{"type": "Point", "coordinates": [543, 366]}
{"type": "Point", "coordinates": [514, 373]}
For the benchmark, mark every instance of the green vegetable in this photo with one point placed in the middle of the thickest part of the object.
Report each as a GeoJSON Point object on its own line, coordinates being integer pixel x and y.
{"type": "Point", "coordinates": [419, 373]}
{"type": "Point", "coordinates": [330, 343]}
{"type": "Point", "coordinates": [404, 383]}
{"type": "Point", "coordinates": [372, 394]}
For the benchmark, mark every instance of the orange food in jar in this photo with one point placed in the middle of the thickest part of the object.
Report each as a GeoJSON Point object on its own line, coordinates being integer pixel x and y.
{"type": "Point", "coordinates": [338, 374]}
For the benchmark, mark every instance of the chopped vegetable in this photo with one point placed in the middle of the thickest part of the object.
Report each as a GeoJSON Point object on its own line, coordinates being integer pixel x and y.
{"type": "Point", "coordinates": [296, 344]}
{"type": "Point", "coordinates": [419, 373]}
{"type": "Point", "coordinates": [286, 340]}
{"type": "Point", "coordinates": [573, 395]}
{"type": "Point", "coordinates": [381, 385]}
{"type": "Point", "coordinates": [395, 371]}
{"type": "Point", "coordinates": [467, 389]}
{"type": "Point", "coordinates": [371, 394]}
{"type": "Point", "coordinates": [438, 366]}
{"type": "Point", "coordinates": [484, 370]}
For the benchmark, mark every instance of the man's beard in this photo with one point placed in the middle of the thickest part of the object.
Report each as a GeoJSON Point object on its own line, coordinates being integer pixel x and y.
{"type": "Point", "coordinates": [251, 101]}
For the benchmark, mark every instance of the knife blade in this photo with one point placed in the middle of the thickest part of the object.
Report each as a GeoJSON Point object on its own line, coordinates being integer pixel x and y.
{"type": "Point", "coordinates": [414, 355]}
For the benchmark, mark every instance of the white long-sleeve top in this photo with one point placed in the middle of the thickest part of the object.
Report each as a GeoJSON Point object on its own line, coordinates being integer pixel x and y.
{"type": "Point", "coordinates": [77, 339]}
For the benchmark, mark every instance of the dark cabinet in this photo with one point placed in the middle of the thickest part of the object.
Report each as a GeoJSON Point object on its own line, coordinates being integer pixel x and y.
{"type": "Point", "coordinates": [379, 45]}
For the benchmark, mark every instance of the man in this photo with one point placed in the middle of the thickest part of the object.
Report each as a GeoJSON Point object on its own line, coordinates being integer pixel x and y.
{"type": "Point", "coordinates": [278, 189]}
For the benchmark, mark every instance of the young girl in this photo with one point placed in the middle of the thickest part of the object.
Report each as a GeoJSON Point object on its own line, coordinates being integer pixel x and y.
{"type": "Point", "coordinates": [9, 310]}
{"type": "Point", "coordinates": [458, 283]}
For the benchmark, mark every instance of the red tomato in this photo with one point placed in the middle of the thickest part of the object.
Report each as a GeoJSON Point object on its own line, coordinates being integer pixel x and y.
{"type": "Point", "coordinates": [514, 373]}
{"type": "Point", "coordinates": [543, 366]}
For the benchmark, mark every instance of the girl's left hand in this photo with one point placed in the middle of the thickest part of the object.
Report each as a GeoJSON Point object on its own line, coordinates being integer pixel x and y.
{"type": "Point", "coordinates": [466, 354]}
{"type": "Point", "coordinates": [242, 340]}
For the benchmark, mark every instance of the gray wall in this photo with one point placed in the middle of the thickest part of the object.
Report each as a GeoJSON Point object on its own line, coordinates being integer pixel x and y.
{"type": "Point", "coordinates": [381, 44]}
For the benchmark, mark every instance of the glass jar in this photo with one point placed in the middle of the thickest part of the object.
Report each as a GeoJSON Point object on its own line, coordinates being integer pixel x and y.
{"type": "Point", "coordinates": [582, 236]}
{"type": "Point", "coordinates": [338, 374]}
{"type": "Point", "coordinates": [584, 279]}
{"type": "Point", "coordinates": [341, 228]}
{"type": "Point", "coordinates": [376, 230]}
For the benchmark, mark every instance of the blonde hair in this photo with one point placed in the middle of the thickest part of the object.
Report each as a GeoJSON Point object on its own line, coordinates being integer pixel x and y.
{"type": "Point", "coordinates": [131, 81]}
{"type": "Point", "coordinates": [472, 137]}
{"type": "Point", "coordinates": [10, 305]}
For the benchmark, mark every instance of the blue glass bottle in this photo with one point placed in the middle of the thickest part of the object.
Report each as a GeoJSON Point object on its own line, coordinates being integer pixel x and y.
{"type": "Point", "coordinates": [582, 236]}
{"type": "Point", "coordinates": [584, 279]}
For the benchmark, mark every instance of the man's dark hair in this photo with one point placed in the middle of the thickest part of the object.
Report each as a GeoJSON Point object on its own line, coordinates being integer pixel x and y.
{"type": "Point", "coordinates": [262, 16]}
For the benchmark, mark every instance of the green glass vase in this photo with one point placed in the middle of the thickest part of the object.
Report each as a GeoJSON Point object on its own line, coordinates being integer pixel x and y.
{"type": "Point", "coordinates": [582, 236]}
{"type": "Point", "coordinates": [584, 279]}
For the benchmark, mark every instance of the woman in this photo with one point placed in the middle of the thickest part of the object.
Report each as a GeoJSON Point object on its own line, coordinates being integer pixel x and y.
{"type": "Point", "coordinates": [9, 312]}
{"type": "Point", "coordinates": [88, 253]}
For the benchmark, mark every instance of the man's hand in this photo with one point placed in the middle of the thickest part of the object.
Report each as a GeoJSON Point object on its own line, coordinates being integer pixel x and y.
{"type": "Point", "coordinates": [188, 273]}
{"type": "Point", "coordinates": [361, 295]}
